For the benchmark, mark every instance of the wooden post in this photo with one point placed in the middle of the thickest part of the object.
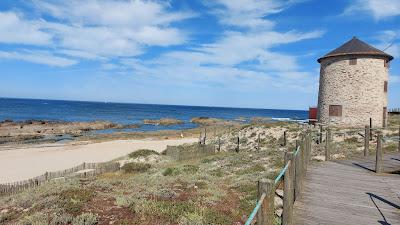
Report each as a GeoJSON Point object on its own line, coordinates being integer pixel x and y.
{"type": "Point", "coordinates": [205, 136]}
{"type": "Point", "coordinates": [366, 141]}
{"type": "Point", "coordinates": [303, 158]}
{"type": "Point", "coordinates": [266, 214]}
{"type": "Point", "coordinates": [284, 138]}
{"type": "Point", "coordinates": [219, 143]}
{"type": "Point", "coordinates": [298, 175]}
{"type": "Point", "coordinates": [200, 139]}
{"type": "Point", "coordinates": [238, 144]}
{"type": "Point", "coordinates": [399, 140]}
{"type": "Point", "coordinates": [258, 142]}
{"type": "Point", "coordinates": [309, 146]}
{"type": "Point", "coordinates": [378, 162]}
{"type": "Point", "coordinates": [370, 129]}
{"type": "Point", "coordinates": [288, 191]}
{"type": "Point", "coordinates": [328, 145]}
{"type": "Point", "coordinates": [320, 134]}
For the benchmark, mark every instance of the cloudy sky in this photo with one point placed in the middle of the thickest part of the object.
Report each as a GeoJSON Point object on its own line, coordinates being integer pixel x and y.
{"type": "Point", "coordinates": [239, 53]}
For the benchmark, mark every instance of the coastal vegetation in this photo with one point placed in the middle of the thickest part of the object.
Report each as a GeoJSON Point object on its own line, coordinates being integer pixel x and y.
{"type": "Point", "coordinates": [154, 188]}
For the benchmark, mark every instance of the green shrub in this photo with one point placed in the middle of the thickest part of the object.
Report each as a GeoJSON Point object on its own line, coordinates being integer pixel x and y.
{"type": "Point", "coordinates": [190, 169]}
{"type": "Point", "coordinates": [135, 167]}
{"type": "Point", "coordinates": [34, 219]}
{"type": "Point", "coordinates": [351, 140]}
{"type": "Point", "coordinates": [85, 219]}
{"type": "Point", "coordinates": [7, 217]}
{"type": "Point", "coordinates": [187, 169]}
{"type": "Point", "coordinates": [212, 216]}
{"type": "Point", "coordinates": [142, 153]}
{"type": "Point", "coordinates": [390, 148]}
{"type": "Point", "coordinates": [171, 171]}
{"type": "Point", "coordinates": [72, 200]}
{"type": "Point", "coordinates": [61, 219]}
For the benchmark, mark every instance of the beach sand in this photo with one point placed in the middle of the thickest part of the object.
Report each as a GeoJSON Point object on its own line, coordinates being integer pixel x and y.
{"type": "Point", "coordinates": [25, 163]}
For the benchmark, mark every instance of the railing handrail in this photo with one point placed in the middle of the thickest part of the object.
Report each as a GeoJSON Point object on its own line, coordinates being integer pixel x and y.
{"type": "Point", "coordinates": [255, 210]}
{"type": "Point", "coordinates": [276, 181]}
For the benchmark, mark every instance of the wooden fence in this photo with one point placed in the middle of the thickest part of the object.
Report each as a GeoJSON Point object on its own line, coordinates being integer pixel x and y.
{"type": "Point", "coordinates": [368, 134]}
{"type": "Point", "coordinates": [292, 176]}
{"type": "Point", "coordinates": [82, 170]}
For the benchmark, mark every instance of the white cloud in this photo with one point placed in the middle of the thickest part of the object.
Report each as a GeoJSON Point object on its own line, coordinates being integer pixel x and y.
{"type": "Point", "coordinates": [16, 30]}
{"type": "Point", "coordinates": [44, 58]}
{"type": "Point", "coordinates": [95, 29]}
{"type": "Point", "coordinates": [249, 13]}
{"type": "Point", "coordinates": [379, 9]}
{"type": "Point", "coordinates": [389, 41]}
{"type": "Point", "coordinates": [132, 14]}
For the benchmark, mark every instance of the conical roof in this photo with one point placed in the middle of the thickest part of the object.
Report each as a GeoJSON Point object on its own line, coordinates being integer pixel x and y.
{"type": "Point", "coordinates": [356, 47]}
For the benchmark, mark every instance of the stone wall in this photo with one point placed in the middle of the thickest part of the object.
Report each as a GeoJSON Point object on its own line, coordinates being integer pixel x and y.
{"type": "Point", "coordinates": [358, 88]}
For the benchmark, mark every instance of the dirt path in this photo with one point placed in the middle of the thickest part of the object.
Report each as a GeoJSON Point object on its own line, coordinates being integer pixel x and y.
{"type": "Point", "coordinates": [24, 163]}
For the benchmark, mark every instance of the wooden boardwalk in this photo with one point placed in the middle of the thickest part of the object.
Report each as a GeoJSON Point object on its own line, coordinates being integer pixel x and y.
{"type": "Point", "coordinates": [349, 192]}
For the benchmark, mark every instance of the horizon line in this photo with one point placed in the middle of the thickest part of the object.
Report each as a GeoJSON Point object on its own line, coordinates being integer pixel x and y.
{"type": "Point", "coordinates": [112, 102]}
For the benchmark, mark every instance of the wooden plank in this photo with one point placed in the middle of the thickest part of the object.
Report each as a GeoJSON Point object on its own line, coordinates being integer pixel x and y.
{"type": "Point", "coordinates": [344, 193]}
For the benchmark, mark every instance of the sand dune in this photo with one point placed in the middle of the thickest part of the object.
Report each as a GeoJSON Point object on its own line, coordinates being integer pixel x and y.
{"type": "Point", "coordinates": [24, 163]}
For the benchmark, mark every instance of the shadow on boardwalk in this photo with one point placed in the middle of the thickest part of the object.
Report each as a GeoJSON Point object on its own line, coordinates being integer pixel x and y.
{"type": "Point", "coordinates": [349, 192]}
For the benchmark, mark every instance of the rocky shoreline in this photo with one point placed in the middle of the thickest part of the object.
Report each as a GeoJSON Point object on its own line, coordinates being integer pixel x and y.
{"type": "Point", "coordinates": [43, 131]}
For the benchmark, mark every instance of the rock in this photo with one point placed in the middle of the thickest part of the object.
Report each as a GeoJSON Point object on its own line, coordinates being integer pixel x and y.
{"type": "Point", "coordinates": [207, 121]}
{"type": "Point", "coordinates": [319, 158]}
{"type": "Point", "coordinates": [163, 122]}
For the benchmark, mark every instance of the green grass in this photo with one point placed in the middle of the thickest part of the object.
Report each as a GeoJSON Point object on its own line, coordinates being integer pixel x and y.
{"type": "Point", "coordinates": [252, 170]}
{"type": "Point", "coordinates": [72, 200]}
{"type": "Point", "coordinates": [185, 169]}
{"type": "Point", "coordinates": [142, 153]}
{"type": "Point", "coordinates": [135, 167]}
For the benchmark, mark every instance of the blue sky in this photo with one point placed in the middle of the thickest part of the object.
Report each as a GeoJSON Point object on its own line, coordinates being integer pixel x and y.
{"type": "Point", "coordinates": [238, 53]}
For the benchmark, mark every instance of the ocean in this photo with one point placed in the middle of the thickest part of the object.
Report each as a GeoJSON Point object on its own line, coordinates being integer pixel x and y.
{"type": "Point", "coordinates": [127, 113]}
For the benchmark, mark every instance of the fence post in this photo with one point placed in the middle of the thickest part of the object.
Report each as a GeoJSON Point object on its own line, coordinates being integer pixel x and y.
{"type": "Point", "coordinates": [219, 143]}
{"type": "Point", "coordinates": [288, 191]}
{"type": "Point", "coordinates": [284, 138]}
{"type": "Point", "coordinates": [205, 136]}
{"type": "Point", "coordinates": [258, 142]}
{"type": "Point", "coordinates": [266, 214]}
{"type": "Point", "coordinates": [298, 175]}
{"type": "Point", "coordinates": [309, 146]}
{"type": "Point", "coordinates": [399, 140]}
{"type": "Point", "coordinates": [328, 144]}
{"type": "Point", "coordinates": [303, 145]}
{"type": "Point", "coordinates": [320, 134]}
{"type": "Point", "coordinates": [366, 141]}
{"type": "Point", "coordinates": [370, 129]}
{"type": "Point", "coordinates": [238, 143]}
{"type": "Point", "coordinates": [378, 162]}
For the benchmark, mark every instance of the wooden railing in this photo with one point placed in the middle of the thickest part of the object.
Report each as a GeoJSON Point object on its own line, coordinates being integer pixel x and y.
{"type": "Point", "coordinates": [292, 175]}
{"type": "Point", "coordinates": [367, 135]}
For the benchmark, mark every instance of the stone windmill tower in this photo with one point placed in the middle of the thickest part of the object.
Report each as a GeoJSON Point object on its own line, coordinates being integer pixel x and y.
{"type": "Point", "coordinates": [353, 85]}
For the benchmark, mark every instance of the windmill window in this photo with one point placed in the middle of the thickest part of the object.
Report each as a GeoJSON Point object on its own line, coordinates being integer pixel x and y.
{"type": "Point", "coordinates": [335, 110]}
{"type": "Point", "coordinates": [385, 86]}
{"type": "Point", "coordinates": [386, 63]}
{"type": "Point", "coordinates": [353, 61]}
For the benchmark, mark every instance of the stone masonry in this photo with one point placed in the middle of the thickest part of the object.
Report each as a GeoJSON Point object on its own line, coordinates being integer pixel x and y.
{"type": "Point", "coordinates": [359, 89]}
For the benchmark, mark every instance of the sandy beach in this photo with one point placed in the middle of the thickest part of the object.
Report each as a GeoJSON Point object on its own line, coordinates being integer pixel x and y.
{"type": "Point", "coordinates": [24, 163]}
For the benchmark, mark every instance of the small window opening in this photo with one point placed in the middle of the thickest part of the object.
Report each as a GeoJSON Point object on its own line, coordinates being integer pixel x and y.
{"type": "Point", "coordinates": [385, 86]}
{"type": "Point", "coordinates": [335, 110]}
{"type": "Point", "coordinates": [386, 63]}
{"type": "Point", "coordinates": [353, 61]}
